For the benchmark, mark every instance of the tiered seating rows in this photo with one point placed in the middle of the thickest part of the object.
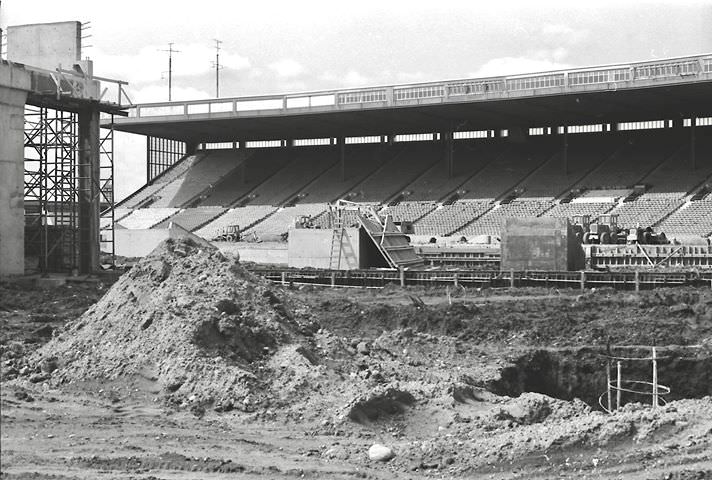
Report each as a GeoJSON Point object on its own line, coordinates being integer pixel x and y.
{"type": "Point", "coordinates": [449, 218]}
{"type": "Point", "coordinates": [241, 216]}
{"type": "Point", "coordinates": [283, 219]}
{"type": "Point", "coordinates": [192, 218]}
{"type": "Point", "coordinates": [409, 211]}
{"type": "Point", "coordinates": [146, 217]}
{"type": "Point", "coordinates": [694, 218]}
{"type": "Point", "coordinates": [645, 210]}
{"type": "Point", "coordinates": [491, 222]}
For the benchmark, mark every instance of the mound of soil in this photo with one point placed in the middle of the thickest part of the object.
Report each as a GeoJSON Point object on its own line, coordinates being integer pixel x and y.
{"type": "Point", "coordinates": [191, 317]}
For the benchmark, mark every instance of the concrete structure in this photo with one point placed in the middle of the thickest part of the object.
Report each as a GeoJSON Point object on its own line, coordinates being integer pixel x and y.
{"type": "Point", "coordinates": [540, 243]}
{"type": "Point", "coordinates": [14, 87]}
{"type": "Point", "coordinates": [138, 243]}
{"type": "Point", "coordinates": [47, 45]}
{"type": "Point", "coordinates": [312, 248]}
{"type": "Point", "coordinates": [666, 88]}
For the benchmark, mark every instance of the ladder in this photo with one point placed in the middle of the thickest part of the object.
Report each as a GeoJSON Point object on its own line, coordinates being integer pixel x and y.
{"type": "Point", "coordinates": [337, 237]}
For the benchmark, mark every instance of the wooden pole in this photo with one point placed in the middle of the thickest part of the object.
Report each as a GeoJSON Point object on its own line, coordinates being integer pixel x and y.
{"type": "Point", "coordinates": [608, 387]}
{"type": "Point", "coordinates": [511, 278]}
{"type": "Point", "coordinates": [618, 385]}
{"type": "Point", "coordinates": [637, 281]}
{"type": "Point", "coordinates": [284, 278]}
{"type": "Point", "coordinates": [655, 379]}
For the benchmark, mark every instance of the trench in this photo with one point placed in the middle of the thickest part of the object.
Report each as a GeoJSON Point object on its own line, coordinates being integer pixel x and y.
{"type": "Point", "coordinates": [581, 373]}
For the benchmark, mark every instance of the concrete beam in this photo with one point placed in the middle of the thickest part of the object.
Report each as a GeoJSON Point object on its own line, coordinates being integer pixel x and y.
{"type": "Point", "coordinates": [14, 86]}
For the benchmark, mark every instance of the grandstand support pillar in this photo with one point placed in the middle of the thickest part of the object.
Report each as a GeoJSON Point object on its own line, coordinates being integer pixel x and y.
{"type": "Point", "coordinates": [342, 158]}
{"type": "Point", "coordinates": [191, 147]}
{"type": "Point", "coordinates": [565, 150]}
{"type": "Point", "coordinates": [89, 194]}
{"type": "Point", "coordinates": [693, 143]}
{"type": "Point", "coordinates": [449, 152]}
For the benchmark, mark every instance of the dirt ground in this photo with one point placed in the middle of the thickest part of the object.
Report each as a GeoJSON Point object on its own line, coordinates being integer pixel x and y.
{"type": "Point", "coordinates": [190, 367]}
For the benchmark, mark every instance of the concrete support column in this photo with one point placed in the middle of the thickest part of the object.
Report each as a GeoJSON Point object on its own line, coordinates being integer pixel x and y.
{"type": "Point", "coordinates": [191, 147]}
{"type": "Point", "coordinates": [449, 156]}
{"type": "Point", "coordinates": [89, 194]}
{"type": "Point", "coordinates": [342, 158]}
{"type": "Point", "coordinates": [693, 143]}
{"type": "Point", "coordinates": [565, 150]}
{"type": "Point", "coordinates": [14, 84]}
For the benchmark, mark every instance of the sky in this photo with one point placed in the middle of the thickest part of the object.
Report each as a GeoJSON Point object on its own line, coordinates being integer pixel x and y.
{"type": "Point", "coordinates": [280, 46]}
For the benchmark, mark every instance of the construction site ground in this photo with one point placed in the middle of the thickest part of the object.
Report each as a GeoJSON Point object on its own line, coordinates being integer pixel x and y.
{"type": "Point", "coordinates": [191, 367]}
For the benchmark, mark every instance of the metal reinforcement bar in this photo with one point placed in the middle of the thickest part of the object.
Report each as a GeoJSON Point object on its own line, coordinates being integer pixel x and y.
{"type": "Point", "coordinates": [482, 278]}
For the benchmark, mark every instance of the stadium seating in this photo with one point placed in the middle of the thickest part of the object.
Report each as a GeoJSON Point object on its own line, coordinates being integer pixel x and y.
{"type": "Point", "coordinates": [280, 221]}
{"type": "Point", "coordinates": [449, 218]}
{"type": "Point", "coordinates": [555, 178]}
{"type": "Point", "coordinates": [192, 218]}
{"type": "Point", "coordinates": [492, 179]}
{"type": "Point", "coordinates": [144, 218]}
{"type": "Point", "coordinates": [152, 190]}
{"type": "Point", "coordinates": [646, 210]}
{"type": "Point", "coordinates": [409, 211]}
{"type": "Point", "coordinates": [361, 161]}
{"type": "Point", "coordinates": [407, 161]}
{"type": "Point", "coordinates": [468, 157]}
{"type": "Point", "coordinates": [206, 173]}
{"type": "Point", "coordinates": [640, 153]}
{"type": "Point", "coordinates": [568, 210]}
{"type": "Point", "coordinates": [514, 163]}
{"type": "Point", "coordinates": [491, 222]}
{"type": "Point", "coordinates": [693, 218]}
{"type": "Point", "coordinates": [305, 165]}
{"type": "Point", "coordinates": [244, 217]}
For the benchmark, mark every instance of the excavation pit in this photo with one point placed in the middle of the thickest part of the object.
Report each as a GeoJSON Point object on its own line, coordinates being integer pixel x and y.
{"type": "Point", "coordinates": [581, 373]}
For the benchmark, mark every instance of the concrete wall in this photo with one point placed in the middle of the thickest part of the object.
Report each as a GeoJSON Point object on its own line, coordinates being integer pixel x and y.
{"type": "Point", "coordinates": [533, 243]}
{"type": "Point", "coordinates": [269, 253]}
{"type": "Point", "coordinates": [14, 84]}
{"type": "Point", "coordinates": [45, 45]}
{"type": "Point", "coordinates": [312, 248]}
{"type": "Point", "coordinates": [138, 243]}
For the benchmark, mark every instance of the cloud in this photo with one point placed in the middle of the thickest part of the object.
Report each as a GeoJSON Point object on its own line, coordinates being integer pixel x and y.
{"type": "Point", "coordinates": [287, 68]}
{"type": "Point", "coordinates": [564, 33]}
{"type": "Point", "coordinates": [159, 93]}
{"type": "Point", "coordinates": [150, 63]}
{"type": "Point", "coordinates": [517, 65]}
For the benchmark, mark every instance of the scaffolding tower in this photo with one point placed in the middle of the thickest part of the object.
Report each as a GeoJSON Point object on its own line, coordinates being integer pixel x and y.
{"type": "Point", "coordinates": [58, 187]}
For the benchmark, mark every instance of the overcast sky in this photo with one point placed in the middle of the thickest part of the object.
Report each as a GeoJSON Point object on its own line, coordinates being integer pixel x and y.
{"type": "Point", "coordinates": [282, 46]}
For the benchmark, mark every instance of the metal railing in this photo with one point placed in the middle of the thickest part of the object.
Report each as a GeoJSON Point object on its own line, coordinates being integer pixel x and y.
{"type": "Point", "coordinates": [612, 77]}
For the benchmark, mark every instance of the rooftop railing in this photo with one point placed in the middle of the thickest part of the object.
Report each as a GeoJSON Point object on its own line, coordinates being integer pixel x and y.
{"type": "Point", "coordinates": [612, 77]}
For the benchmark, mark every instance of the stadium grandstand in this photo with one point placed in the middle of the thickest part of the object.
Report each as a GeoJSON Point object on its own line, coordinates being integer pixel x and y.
{"type": "Point", "coordinates": [455, 158]}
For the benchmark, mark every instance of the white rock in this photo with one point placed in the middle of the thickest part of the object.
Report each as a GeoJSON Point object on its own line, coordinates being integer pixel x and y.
{"type": "Point", "coordinates": [380, 453]}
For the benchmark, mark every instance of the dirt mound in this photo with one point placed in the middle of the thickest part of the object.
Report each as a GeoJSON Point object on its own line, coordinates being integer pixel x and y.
{"type": "Point", "coordinates": [189, 315]}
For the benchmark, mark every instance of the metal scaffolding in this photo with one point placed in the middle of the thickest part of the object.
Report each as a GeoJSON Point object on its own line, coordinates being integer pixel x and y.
{"type": "Point", "coordinates": [57, 184]}
{"type": "Point", "coordinates": [106, 174]}
{"type": "Point", "coordinates": [161, 154]}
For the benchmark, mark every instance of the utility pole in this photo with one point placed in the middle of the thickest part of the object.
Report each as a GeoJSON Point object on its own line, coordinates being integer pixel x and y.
{"type": "Point", "coordinates": [217, 66]}
{"type": "Point", "coordinates": [170, 67]}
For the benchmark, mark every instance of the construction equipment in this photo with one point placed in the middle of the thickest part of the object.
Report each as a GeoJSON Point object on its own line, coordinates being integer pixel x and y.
{"type": "Point", "coordinates": [580, 225]}
{"type": "Point", "coordinates": [646, 236]}
{"type": "Point", "coordinates": [604, 231]}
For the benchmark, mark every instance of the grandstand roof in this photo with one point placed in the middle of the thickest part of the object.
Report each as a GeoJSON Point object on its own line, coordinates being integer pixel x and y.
{"type": "Point", "coordinates": [661, 89]}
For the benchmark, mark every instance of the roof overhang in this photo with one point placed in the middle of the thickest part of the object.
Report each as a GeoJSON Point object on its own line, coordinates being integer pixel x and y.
{"type": "Point", "coordinates": [628, 93]}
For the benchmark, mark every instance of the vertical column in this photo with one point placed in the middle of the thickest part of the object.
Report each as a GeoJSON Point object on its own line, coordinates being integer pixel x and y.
{"type": "Point", "coordinates": [88, 190]}
{"type": "Point", "coordinates": [449, 153]}
{"type": "Point", "coordinates": [13, 86]}
{"type": "Point", "coordinates": [565, 150]}
{"type": "Point", "coordinates": [693, 143]}
{"type": "Point", "coordinates": [342, 158]}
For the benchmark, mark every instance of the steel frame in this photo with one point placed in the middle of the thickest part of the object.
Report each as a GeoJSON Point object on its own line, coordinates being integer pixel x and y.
{"type": "Point", "coordinates": [51, 141]}
{"type": "Point", "coordinates": [106, 180]}
{"type": "Point", "coordinates": [161, 154]}
{"type": "Point", "coordinates": [54, 189]}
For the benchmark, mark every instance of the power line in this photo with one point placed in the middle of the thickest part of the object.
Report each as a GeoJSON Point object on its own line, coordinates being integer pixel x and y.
{"type": "Point", "coordinates": [170, 51]}
{"type": "Point", "coordinates": [218, 67]}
